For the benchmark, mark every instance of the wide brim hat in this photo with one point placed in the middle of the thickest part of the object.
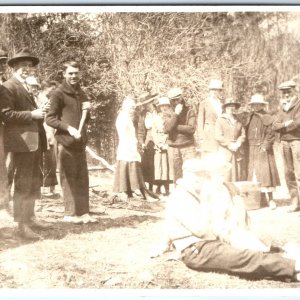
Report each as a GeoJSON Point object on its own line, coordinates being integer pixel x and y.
{"type": "Point", "coordinates": [174, 93]}
{"type": "Point", "coordinates": [163, 101]}
{"type": "Point", "coordinates": [23, 54]}
{"type": "Point", "coordinates": [231, 101]}
{"type": "Point", "coordinates": [257, 99]}
{"type": "Point", "coordinates": [287, 85]}
{"type": "Point", "coordinates": [3, 55]}
{"type": "Point", "coordinates": [146, 98]}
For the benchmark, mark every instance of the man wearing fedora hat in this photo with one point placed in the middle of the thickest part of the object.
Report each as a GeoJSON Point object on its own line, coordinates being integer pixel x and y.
{"type": "Point", "coordinates": [180, 127]}
{"type": "Point", "coordinates": [25, 138]}
{"type": "Point", "coordinates": [208, 112]}
{"type": "Point", "coordinates": [287, 123]}
{"type": "Point", "coordinates": [260, 137]}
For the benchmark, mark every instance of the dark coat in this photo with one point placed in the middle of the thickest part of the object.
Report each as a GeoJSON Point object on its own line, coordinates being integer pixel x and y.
{"type": "Point", "coordinates": [226, 133]}
{"type": "Point", "coordinates": [21, 132]}
{"type": "Point", "coordinates": [66, 110]}
{"type": "Point", "coordinates": [261, 154]}
{"type": "Point", "coordinates": [181, 128]}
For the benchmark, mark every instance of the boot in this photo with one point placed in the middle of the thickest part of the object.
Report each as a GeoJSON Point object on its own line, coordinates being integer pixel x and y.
{"type": "Point", "coordinates": [25, 232]}
{"type": "Point", "coordinates": [39, 224]}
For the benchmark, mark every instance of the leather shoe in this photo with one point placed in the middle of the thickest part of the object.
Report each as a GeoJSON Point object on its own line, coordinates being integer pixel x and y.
{"type": "Point", "coordinates": [39, 224]}
{"type": "Point", "coordinates": [26, 233]}
{"type": "Point", "coordinates": [4, 235]}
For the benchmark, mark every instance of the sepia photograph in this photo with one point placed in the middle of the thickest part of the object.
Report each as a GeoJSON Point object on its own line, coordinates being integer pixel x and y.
{"type": "Point", "coordinates": [150, 149]}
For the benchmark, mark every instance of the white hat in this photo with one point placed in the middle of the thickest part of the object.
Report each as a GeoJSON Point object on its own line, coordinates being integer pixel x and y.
{"type": "Point", "coordinates": [215, 84]}
{"type": "Point", "coordinates": [211, 163]}
{"type": "Point", "coordinates": [174, 93]}
{"type": "Point", "coordinates": [164, 101]}
{"type": "Point", "coordinates": [128, 103]}
{"type": "Point", "coordinates": [258, 99]}
{"type": "Point", "coordinates": [31, 80]}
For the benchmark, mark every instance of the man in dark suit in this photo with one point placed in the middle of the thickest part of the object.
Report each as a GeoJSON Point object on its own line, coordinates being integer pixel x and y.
{"type": "Point", "coordinates": [25, 137]}
{"type": "Point", "coordinates": [68, 103]}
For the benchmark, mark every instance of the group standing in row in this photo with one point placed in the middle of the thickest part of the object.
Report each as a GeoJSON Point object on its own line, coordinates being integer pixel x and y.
{"type": "Point", "coordinates": [166, 132]}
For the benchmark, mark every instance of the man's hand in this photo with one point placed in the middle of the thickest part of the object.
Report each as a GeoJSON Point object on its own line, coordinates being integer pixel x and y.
{"type": "Point", "coordinates": [233, 147]}
{"type": "Point", "coordinates": [74, 132]}
{"type": "Point", "coordinates": [46, 107]}
{"type": "Point", "coordinates": [178, 109]}
{"type": "Point", "coordinates": [38, 114]}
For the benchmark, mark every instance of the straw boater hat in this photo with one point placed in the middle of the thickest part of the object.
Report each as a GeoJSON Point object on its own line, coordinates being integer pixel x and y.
{"type": "Point", "coordinates": [164, 101]}
{"type": "Point", "coordinates": [215, 84]}
{"type": "Point", "coordinates": [23, 54]}
{"type": "Point", "coordinates": [258, 99]}
{"type": "Point", "coordinates": [287, 85]}
{"type": "Point", "coordinates": [3, 55]}
{"type": "Point", "coordinates": [230, 101]}
{"type": "Point", "coordinates": [174, 93]}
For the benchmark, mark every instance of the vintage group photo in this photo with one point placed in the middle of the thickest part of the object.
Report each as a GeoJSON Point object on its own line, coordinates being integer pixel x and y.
{"type": "Point", "coordinates": [150, 150]}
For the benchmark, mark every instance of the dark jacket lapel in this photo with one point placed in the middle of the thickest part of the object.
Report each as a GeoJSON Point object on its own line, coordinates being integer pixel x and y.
{"type": "Point", "coordinates": [26, 94]}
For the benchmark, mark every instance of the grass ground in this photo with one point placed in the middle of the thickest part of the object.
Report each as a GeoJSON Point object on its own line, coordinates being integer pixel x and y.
{"type": "Point", "coordinates": [115, 252]}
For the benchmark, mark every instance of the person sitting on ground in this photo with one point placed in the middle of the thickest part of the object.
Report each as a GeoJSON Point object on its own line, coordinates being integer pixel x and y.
{"type": "Point", "coordinates": [217, 238]}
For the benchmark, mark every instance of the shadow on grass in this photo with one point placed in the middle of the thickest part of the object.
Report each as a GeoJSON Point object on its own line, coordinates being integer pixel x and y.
{"type": "Point", "coordinates": [61, 229]}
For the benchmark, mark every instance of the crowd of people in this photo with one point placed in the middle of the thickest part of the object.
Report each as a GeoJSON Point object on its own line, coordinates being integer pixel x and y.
{"type": "Point", "coordinates": [162, 142]}
{"type": "Point", "coordinates": [165, 132]}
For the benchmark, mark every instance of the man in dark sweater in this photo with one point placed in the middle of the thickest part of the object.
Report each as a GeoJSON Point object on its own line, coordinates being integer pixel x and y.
{"type": "Point", "coordinates": [181, 127]}
{"type": "Point", "coordinates": [287, 123]}
{"type": "Point", "coordinates": [68, 102]}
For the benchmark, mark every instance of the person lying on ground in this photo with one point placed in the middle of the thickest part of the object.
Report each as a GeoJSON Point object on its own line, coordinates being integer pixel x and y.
{"type": "Point", "coordinates": [207, 224]}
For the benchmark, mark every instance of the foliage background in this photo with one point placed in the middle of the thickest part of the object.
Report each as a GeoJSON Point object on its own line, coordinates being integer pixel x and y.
{"type": "Point", "coordinates": [130, 53]}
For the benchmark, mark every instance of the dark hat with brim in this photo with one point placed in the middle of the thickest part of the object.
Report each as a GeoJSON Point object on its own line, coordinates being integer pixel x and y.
{"type": "Point", "coordinates": [21, 55]}
{"type": "Point", "coordinates": [231, 101]}
{"type": "Point", "coordinates": [146, 98]}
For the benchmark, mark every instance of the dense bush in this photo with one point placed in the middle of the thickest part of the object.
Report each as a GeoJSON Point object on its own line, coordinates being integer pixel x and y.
{"type": "Point", "coordinates": [125, 53]}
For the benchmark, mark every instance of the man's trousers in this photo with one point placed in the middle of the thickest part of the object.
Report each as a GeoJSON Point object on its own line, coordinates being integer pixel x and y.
{"type": "Point", "coordinates": [220, 257]}
{"type": "Point", "coordinates": [291, 156]}
{"type": "Point", "coordinates": [74, 180]}
{"type": "Point", "coordinates": [27, 184]}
